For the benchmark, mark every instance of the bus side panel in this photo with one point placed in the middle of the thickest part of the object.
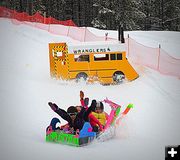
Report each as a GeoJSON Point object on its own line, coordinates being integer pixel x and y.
{"type": "Point", "coordinates": [51, 60]}
{"type": "Point", "coordinates": [103, 69]}
{"type": "Point", "coordinates": [77, 67]}
{"type": "Point", "coordinates": [62, 70]}
{"type": "Point", "coordinates": [58, 67]}
{"type": "Point", "coordinates": [129, 71]}
{"type": "Point", "coordinates": [106, 69]}
{"type": "Point", "coordinates": [125, 67]}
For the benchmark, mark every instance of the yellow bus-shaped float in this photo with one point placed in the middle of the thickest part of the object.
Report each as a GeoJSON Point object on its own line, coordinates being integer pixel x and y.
{"type": "Point", "coordinates": [105, 62]}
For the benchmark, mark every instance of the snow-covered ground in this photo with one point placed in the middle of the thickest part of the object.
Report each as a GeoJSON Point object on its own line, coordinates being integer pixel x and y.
{"type": "Point", "coordinates": [26, 87]}
{"type": "Point", "coordinates": [169, 41]}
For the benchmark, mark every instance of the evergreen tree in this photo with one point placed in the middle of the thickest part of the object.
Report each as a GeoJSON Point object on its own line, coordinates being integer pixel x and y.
{"type": "Point", "coordinates": [104, 14]}
{"type": "Point", "coordinates": [111, 14]}
{"type": "Point", "coordinates": [161, 14]}
{"type": "Point", "coordinates": [54, 8]}
{"type": "Point", "coordinates": [132, 14]}
{"type": "Point", "coordinates": [128, 13]}
{"type": "Point", "coordinates": [170, 15]}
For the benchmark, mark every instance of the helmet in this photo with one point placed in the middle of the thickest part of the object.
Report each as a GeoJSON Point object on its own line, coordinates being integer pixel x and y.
{"type": "Point", "coordinates": [93, 105]}
{"type": "Point", "coordinates": [72, 109]}
{"type": "Point", "coordinates": [99, 105]}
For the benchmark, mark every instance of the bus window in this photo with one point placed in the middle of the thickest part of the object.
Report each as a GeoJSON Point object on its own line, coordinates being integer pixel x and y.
{"type": "Point", "coordinates": [81, 58]}
{"type": "Point", "coordinates": [101, 57]}
{"type": "Point", "coordinates": [119, 56]}
{"type": "Point", "coordinates": [113, 56]}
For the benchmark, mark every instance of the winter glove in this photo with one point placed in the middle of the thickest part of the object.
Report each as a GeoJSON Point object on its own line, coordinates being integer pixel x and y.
{"type": "Point", "coordinates": [101, 128]}
{"type": "Point", "coordinates": [53, 106]}
{"type": "Point", "coordinates": [86, 101]}
{"type": "Point", "coordinates": [81, 95]}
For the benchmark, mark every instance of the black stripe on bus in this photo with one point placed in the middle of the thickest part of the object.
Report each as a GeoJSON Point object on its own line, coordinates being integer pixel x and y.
{"type": "Point", "coordinates": [90, 70]}
{"type": "Point", "coordinates": [106, 77]}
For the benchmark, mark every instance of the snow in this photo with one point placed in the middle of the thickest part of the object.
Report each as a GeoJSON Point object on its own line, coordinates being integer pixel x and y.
{"type": "Point", "coordinates": [26, 87]}
{"type": "Point", "coordinates": [169, 41]}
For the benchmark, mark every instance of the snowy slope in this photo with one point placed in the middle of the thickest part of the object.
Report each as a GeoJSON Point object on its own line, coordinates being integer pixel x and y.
{"type": "Point", "coordinates": [26, 87]}
{"type": "Point", "coordinates": [168, 40]}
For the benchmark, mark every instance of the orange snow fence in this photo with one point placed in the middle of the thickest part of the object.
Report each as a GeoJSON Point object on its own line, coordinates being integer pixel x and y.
{"type": "Point", "coordinates": [142, 54]}
{"type": "Point", "coordinates": [155, 58]}
{"type": "Point", "coordinates": [37, 17]}
{"type": "Point", "coordinates": [168, 64]}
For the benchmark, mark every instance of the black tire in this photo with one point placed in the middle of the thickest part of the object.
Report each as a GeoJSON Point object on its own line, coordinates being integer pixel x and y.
{"type": "Point", "coordinates": [81, 77]}
{"type": "Point", "coordinates": [118, 77]}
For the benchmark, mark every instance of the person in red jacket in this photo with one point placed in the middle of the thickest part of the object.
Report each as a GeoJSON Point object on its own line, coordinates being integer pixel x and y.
{"type": "Point", "coordinates": [88, 116]}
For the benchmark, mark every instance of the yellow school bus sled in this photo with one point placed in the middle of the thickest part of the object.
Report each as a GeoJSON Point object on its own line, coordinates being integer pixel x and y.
{"type": "Point", "coordinates": [105, 62]}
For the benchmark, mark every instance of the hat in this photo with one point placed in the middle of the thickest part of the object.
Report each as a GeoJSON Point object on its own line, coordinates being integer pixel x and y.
{"type": "Point", "coordinates": [72, 109]}
{"type": "Point", "coordinates": [100, 105]}
{"type": "Point", "coordinates": [93, 105]}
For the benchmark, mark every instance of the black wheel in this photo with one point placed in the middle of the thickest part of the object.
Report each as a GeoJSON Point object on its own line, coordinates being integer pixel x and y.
{"type": "Point", "coordinates": [81, 77]}
{"type": "Point", "coordinates": [118, 77]}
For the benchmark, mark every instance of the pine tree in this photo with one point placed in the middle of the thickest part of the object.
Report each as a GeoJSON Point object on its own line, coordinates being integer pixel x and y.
{"type": "Point", "coordinates": [161, 14]}
{"type": "Point", "coordinates": [104, 14]}
{"type": "Point", "coordinates": [132, 14]}
{"type": "Point", "coordinates": [170, 15]}
{"type": "Point", "coordinates": [128, 13]}
{"type": "Point", "coordinates": [111, 14]}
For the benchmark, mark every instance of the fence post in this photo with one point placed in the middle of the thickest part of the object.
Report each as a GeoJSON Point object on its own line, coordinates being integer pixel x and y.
{"type": "Point", "coordinates": [68, 31]}
{"type": "Point", "coordinates": [85, 34]}
{"type": "Point", "coordinates": [44, 17]}
{"type": "Point", "coordinates": [24, 16]}
{"type": "Point", "coordinates": [128, 46]}
{"type": "Point", "coordinates": [49, 27]}
{"type": "Point", "coordinates": [159, 52]}
{"type": "Point", "coordinates": [13, 16]}
{"type": "Point", "coordinates": [106, 36]}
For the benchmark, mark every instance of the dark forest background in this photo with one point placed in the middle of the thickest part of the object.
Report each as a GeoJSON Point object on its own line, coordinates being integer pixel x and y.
{"type": "Point", "coordinates": [106, 14]}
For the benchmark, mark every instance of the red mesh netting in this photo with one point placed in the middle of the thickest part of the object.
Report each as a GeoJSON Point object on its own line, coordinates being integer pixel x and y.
{"type": "Point", "coordinates": [37, 17]}
{"type": "Point", "coordinates": [142, 54]}
{"type": "Point", "coordinates": [168, 64]}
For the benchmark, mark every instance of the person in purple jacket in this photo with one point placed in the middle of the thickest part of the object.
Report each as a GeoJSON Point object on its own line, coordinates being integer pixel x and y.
{"type": "Point", "coordinates": [72, 116]}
